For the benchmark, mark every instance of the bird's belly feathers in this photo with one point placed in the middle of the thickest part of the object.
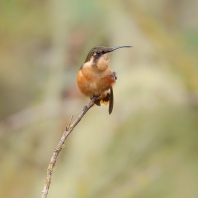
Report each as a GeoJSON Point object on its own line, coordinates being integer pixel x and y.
{"type": "Point", "coordinates": [91, 85]}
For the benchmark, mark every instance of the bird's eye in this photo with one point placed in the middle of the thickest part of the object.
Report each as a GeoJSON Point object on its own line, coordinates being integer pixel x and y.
{"type": "Point", "coordinates": [98, 53]}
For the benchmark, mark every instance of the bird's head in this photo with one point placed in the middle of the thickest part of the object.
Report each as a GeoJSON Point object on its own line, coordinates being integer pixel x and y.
{"type": "Point", "coordinates": [98, 57]}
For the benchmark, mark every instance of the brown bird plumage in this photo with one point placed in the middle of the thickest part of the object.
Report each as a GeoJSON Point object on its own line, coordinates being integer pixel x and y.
{"type": "Point", "coordinates": [95, 78]}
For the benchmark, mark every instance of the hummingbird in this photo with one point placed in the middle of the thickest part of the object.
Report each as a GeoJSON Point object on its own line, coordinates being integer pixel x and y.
{"type": "Point", "coordinates": [95, 78]}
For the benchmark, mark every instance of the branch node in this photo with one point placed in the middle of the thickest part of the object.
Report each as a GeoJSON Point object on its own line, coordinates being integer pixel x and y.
{"type": "Point", "coordinates": [69, 125]}
{"type": "Point", "coordinates": [85, 108]}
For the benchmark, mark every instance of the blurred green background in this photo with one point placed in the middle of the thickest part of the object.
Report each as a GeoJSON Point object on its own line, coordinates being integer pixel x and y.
{"type": "Point", "coordinates": [148, 147]}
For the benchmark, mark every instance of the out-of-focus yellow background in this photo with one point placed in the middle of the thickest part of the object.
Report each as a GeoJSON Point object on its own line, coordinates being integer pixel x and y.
{"type": "Point", "coordinates": [148, 147]}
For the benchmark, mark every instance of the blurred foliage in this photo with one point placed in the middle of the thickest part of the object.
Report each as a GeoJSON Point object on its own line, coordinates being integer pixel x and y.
{"type": "Point", "coordinates": [147, 147]}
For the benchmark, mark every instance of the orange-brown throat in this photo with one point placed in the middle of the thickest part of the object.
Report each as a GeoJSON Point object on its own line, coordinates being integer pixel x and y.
{"type": "Point", "coordinates": [97, 65]}
{"type": "Point", "coordinates": [101, 63]}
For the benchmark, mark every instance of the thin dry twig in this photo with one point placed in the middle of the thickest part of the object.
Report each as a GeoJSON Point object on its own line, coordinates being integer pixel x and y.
{"type": "Point", "coordinates": [69, 128]}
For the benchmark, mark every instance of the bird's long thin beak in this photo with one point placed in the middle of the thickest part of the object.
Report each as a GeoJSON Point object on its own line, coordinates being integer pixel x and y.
{"type": "Point", "coordinates": [115, 48]}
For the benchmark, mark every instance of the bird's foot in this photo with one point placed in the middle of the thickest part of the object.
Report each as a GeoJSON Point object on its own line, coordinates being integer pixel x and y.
{"type": "Point", "coordinates": [95, 97]}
